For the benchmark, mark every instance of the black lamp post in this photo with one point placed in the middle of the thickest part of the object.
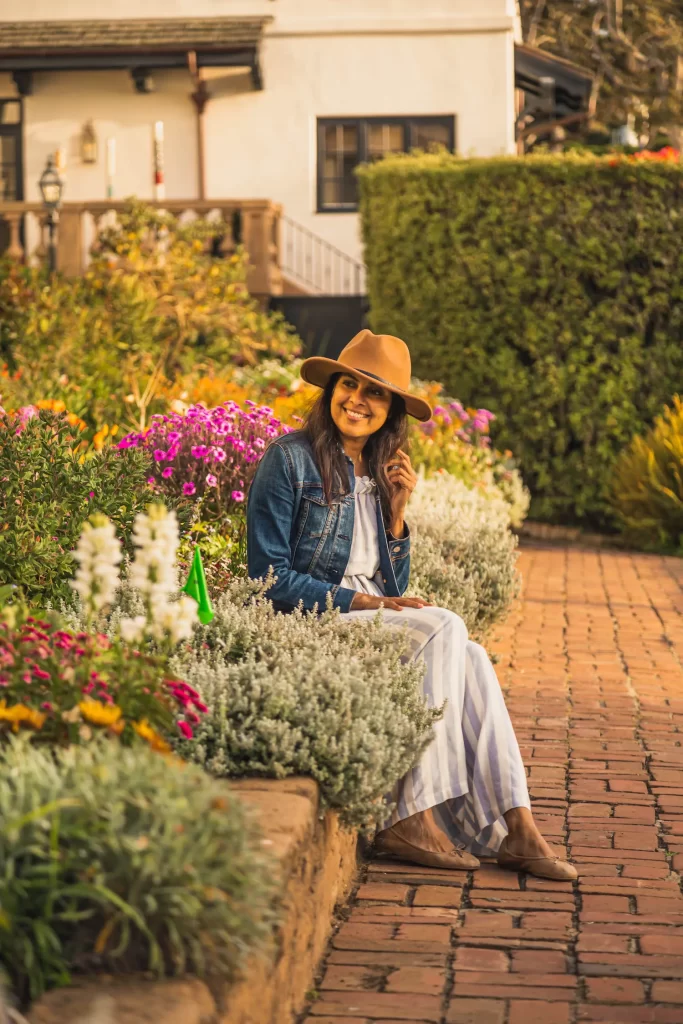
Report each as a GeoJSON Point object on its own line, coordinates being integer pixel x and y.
{"type": "Point", "coordinates": [51, 187]}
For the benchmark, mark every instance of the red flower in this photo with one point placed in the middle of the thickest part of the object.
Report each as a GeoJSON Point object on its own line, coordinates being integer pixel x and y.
{"type": "Point", "coordinates": [186, 730]}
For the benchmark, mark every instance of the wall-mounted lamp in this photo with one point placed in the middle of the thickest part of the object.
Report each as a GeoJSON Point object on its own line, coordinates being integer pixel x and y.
{"type": "Point", "coordinates": [88, 144]}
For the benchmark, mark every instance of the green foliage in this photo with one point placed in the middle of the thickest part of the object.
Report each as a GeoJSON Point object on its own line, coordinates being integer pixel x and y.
{"type": "Point", "coordinates": [548, 289]}
{"type": "Point", "coordinates": [153, 302]}
{"type": "Point", "coordinates": [301, 694]}
{"type": "Point", "coordinates": [464, 554]}
{"type": "Point", "coordinates": [120, 859]}
{"type": "Point", "coordinates": [647, 485]}
{"type": "Point", "coordinates": [48, 490]}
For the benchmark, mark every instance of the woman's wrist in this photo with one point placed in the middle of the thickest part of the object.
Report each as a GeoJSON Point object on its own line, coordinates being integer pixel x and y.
{"type": "Point", "coordinates": [397, 527]}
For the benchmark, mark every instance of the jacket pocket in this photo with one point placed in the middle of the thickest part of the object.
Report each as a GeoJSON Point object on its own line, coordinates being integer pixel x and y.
{"type": "Point", "coordinates": [315, 523]}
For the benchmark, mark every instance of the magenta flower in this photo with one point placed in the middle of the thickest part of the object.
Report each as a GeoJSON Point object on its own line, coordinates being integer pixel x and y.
{"type": "Point", "coordinates": [151, 481]}
{"type": "Point", "coordinates": [211, 480]}
{"type": "Point", "coordinates": [189, 488]}
{"type": "Point", "coordinates": [237, 495]}
{"type": "Point", "coordinates": [159, 455]}
{"type": "Point", "coordinates": [219, 454]}
{"type": "Point", "coordinates": [168, 472]}
{"type": "Point", "coordinates": [186, 729]}
{"type": "Point", "coordinates": [199, 451]}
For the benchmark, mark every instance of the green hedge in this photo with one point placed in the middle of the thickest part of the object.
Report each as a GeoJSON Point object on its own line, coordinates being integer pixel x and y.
{"type": "Point", "coordinates": [549, 289]}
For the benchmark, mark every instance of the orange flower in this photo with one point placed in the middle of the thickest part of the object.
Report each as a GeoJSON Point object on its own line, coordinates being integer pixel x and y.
{"type": "Point", "coordinates": [100, 714]}
{"type": "Point", "coordinates": [146, 732]}
{"type": "Point", "coordinates": [20, 714]}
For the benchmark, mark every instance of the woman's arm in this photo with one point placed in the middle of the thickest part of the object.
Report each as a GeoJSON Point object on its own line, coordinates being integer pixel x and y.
{"type": "Point", "coordinates": [270, 511]}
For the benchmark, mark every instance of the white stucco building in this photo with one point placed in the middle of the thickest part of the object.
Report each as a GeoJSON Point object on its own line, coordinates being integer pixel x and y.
{"type": "Point", "coordinates": [289, 95]}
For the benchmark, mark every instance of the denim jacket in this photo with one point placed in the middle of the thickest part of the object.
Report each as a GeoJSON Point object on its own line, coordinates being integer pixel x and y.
{"type": "Point", "coordinates": [291, 527]}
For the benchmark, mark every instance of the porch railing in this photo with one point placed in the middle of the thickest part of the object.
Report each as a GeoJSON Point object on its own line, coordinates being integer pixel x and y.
{"type": "Point", "coordinates": [316, 265]}
{"type": "Point", "coordinates": [255, 223]}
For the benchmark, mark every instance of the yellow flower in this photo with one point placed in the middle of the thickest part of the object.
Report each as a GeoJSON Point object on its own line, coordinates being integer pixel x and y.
{"type": "Point", "coordinates": [146, 732]}
{"type": "Point", "coordinates": [19, 714]}
{"type": "Point", "coordinates": [100, 714]}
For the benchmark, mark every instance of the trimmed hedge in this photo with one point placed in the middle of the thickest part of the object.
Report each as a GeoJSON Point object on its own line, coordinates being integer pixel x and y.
{"type": "Point", "coordinates": [548, 289]}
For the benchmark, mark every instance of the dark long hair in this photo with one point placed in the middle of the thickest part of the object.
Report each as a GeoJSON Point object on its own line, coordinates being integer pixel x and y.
{"type": "Point", "coordinates": [380, 447]}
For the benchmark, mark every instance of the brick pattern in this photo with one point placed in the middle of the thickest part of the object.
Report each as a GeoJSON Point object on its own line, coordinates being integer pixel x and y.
{"type": "Point", "coordinates": [591, 662]}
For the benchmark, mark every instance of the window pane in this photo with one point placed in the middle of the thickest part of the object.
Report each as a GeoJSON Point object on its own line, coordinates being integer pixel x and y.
{"type": "Point", "coordinates": [338, 161]}
{"type": "Point", "coordinates": [429, 136]}
{"type": "Point", "coordinates": [385, 138]}
{"type": "Point", "coordinates": [332, 193]}
{"type": "Point", "coordinates": [10, 112]}
{"type": "Point", "coordinates": [8, 170]}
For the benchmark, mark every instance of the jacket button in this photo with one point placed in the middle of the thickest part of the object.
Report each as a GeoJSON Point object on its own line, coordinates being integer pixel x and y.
{"type": "Point", "coordinates": [384, 579]}
{"type": "Point", "coordinates": [396, 550]}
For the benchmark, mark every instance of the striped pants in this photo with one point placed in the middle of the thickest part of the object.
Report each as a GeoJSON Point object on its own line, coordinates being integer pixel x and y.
{"type": "Point", "coordinates": [472, 772]}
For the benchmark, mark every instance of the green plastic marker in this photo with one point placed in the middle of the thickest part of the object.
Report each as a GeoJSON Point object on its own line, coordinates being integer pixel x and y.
{"type": "Point", "coordinates": [197, 589]}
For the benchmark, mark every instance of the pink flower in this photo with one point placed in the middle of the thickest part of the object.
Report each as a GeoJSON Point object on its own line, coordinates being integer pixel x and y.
{"type": "Point", "coordinates": [199, 451]}
{"type": "Point", "coordinates": [259, 443]}
{"type": "Point", "coordinates": [166, 473]}
{"type": "Point", "coordinates": [159, 455]}
{"type": "Point", "coordinates": [39, 673]}
{"type": "Point", "coordinates": [189, 488]}
{"type": "Point", "coordinates": [46, 706]}
{"type": "Point", "coordinates": [151, 481]}
{"type": "Point", "coordinates": [237, 495]}
{"type": "Point", "coordinates": [186, 729]}
{"type": "Point", "coordinates": [219, 454]}
{"type": "Point", "coordinates": [211, 480]}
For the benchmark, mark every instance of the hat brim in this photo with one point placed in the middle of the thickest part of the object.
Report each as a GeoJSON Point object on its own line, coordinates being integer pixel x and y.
{"type": "Point", "coordinates": [317, 371]}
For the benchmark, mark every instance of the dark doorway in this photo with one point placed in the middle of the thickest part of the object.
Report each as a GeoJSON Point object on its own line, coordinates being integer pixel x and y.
{"type": "Point", "coordinates": [325, 323]}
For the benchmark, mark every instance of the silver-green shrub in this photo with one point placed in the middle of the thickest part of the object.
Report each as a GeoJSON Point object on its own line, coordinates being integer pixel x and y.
{"type": "Point", "coordinates": [301, 694]}
{"type": "Point", "coordinates": [117, 858]}
{"type": "Point", "coordinates": [463, 552]}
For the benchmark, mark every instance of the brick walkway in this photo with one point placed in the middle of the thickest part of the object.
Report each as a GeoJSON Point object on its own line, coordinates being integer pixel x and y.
{"type": "Point", "coordinates": [592, 666]}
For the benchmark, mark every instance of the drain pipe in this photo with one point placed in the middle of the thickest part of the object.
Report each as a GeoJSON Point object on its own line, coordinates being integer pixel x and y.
{"type": "Point", "coordinates": [200, 98]}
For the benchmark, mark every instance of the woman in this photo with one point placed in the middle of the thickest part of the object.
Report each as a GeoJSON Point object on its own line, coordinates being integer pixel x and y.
{"type": "Point", "coordinates": [327, 511]}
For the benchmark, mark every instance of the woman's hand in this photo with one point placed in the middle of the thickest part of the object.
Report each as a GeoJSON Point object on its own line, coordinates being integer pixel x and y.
{"type": "Point", "coordinates": [368, 602]}
{"type": "Point", "coordinates": [402, 478]}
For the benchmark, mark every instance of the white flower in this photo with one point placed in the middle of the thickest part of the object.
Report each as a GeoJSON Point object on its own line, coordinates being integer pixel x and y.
{"type": "Point", "coordinates": [176, 619]}
{"type": "Point", "coordinates": [98, 554]}
{"type": "Point", "coordinates": [132, 630]}
{"type": "Point", "coordinates": [155, 536]}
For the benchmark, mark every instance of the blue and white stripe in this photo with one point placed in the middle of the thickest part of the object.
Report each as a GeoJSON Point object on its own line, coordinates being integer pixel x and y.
{"type": "Point", "coordinates": [472, 772]}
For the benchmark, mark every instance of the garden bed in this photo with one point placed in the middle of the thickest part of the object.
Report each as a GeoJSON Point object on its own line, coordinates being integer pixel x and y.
{"type": "Point", "coordinates": [318, 863]}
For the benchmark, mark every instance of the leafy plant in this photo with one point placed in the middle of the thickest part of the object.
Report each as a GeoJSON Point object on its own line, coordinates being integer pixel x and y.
{"type": "Point", "coordinates": [457, 440]}
{"type": "Point", "coordinates": [154, 302]}
{"type": "Point", "coordinates": [48, 488]}
{"type": "Point", "coordinates": [647, 484]}
{"type": "Point", "coordinates": [119, 859]}
{"type": "Point", "coordinates": [322, 696]}
{"type": "Point", "coordinates": [548, 289]}
{"type": "Point", "coordinates": [208, 457]}
{"type": "Point", "coordinates": [463, 553]}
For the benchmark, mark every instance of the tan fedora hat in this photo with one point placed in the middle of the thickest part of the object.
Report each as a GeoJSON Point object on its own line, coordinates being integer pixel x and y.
{"type": "Point", "coordinates": [374, 357]}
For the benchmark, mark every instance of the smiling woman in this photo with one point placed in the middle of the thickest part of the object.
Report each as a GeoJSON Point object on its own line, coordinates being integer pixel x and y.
{"type": "Point", "coordinates": [327, 513]}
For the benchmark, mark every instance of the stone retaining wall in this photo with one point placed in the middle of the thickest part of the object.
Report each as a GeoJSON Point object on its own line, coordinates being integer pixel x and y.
{"type": "Point", "coordinates": [318, 863]}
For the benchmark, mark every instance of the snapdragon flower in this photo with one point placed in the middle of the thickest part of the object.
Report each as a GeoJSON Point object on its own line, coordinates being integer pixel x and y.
{"type": "Point", "coordinates": [98, 554]}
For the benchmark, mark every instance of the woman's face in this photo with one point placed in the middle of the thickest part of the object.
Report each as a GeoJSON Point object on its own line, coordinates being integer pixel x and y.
{"type": "Point", "coordinates": [359, 407]}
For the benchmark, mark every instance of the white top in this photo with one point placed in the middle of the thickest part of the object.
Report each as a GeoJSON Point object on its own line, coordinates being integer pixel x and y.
{"type": "Point", "coordinates": [362, 572]}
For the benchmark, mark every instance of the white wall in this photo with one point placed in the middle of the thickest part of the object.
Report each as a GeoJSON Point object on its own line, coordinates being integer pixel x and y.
{"type": "Point", "coordinates": [320, 58]}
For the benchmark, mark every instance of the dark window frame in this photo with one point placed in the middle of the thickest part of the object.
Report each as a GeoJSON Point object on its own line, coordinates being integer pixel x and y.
{"type": "Point", "coordinates": [408, 122]}
{"type": "Point", "coordinates": [15, 131]}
